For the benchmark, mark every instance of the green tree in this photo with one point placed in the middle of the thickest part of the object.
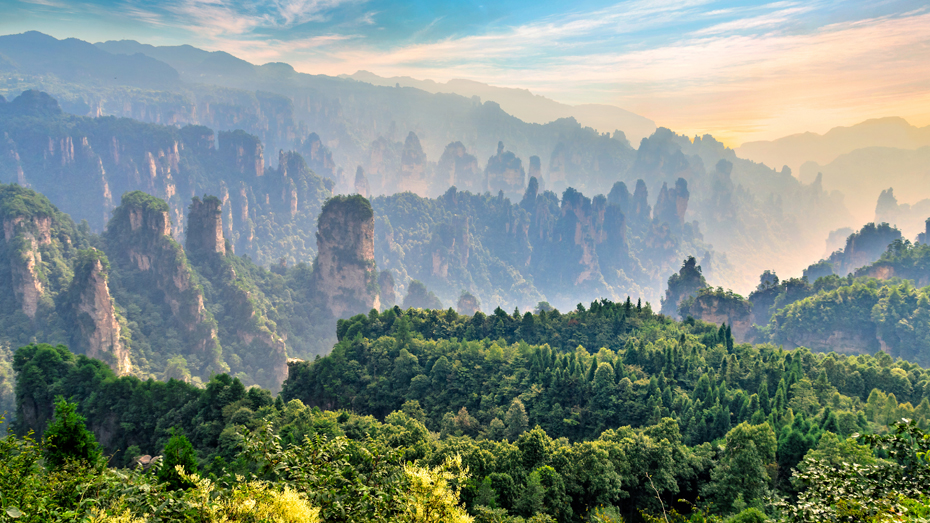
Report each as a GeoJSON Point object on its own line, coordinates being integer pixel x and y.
{"type": "Point", "coordinates": [178, 451]}
{"type": "Point", "coordinates": [516, 419]}
{"type": "Point", "coordinates": [67, 438]}
{"type": "Point", "coordinates": [744, 468]}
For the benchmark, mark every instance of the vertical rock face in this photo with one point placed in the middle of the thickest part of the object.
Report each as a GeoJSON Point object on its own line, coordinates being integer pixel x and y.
{"type": "Point", "coordinates": [361, 183]}
{"type": "Point", "coordinates": [388, 294]}
{"type": "Point", "coordinates": [140, 231]}
{"type": "Point", "coordinates": [535, 171]}
{"type": "Point", "coordinates": [620, 196]}
{"type": "Point", "coordinates": [672, 204]}
{"type": "Point", "coordinates": [25, 235]}
{"type": "Point", "coordinates": [505, 173]}
{"type": "Point", "coordinates": [205, 226]}
{"type": "Point", "coordinates": [468, 304]}
{"type": "Point", "coordinates": [242, 151]}
{"type": "Point", "coordinates": [718, 307]}
{"type": "Point", "coordinates": [412, 176]}
{"type": "Point", "coordinates": [318, 156]}
{"type": "Point", "coordinates": [450, 244]}
{"type": "Point", "coordinates": [457, 167]}
{"type": "Point", "coordinates": [344, 271]}
{"type": "Point", "coordinates": [383, 159]}
{"type": "Point", "coordinates": [98, 332]}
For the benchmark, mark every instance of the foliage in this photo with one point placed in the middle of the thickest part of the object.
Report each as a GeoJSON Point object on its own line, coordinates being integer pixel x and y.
{"type": "Point", "coordinates": [67, 438]}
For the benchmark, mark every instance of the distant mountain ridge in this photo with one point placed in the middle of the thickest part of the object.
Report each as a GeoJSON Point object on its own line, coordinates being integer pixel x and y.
{"type": "Point", "coordinates": [796, 149]}
{"type": "Point", "coordinates": [529, 107]}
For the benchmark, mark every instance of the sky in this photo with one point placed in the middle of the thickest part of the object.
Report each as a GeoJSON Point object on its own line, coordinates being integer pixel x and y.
{"type": "Point", "coordinates": [741, 71]}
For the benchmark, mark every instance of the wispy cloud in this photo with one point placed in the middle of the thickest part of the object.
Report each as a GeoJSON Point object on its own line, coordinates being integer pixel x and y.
{"type": "Point", "coordinates": [737, 70]}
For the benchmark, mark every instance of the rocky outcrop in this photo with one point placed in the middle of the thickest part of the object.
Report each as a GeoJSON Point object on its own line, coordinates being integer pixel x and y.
{"type": "Point", "coordinates": [362, 186]}
{"type": "Point", "coordinates": [24, 235]}
{"type": "Point", "coordinates": [458, 168]}
{"type": "Point", "coordinates": [412, 175]}
{"type": "Point", "coordinates": [505, 173]}
{"type": "Point", "coordinates": [98, 334]}
{"type": "Point", "coordinates": [344, 271]}
{"type": "Point", "coordinates": [318, 157]}
{"type": "Point", "coordinates": [535, 171]}
{"type": "Point", "coordinates": [719, 307]}
{"type": "Point", "coordinates": [140, 232]}
{"type": "Point", "coordinates": [383, 162]}
{"type": "Point", "coordinates": [672, 204]}
{"type": "Point", "coordinates": [639, 210]}
{"type": "Point", "coordinates": [243, 152]}
{"type": "Point", "coordinates": [388, 293]}
{"type": "Point", "coordinates": [205, 226]}
{"type": "Point", "coordinates": [467, 305]}
{"type": "Point", "coordinates": [450, 244]}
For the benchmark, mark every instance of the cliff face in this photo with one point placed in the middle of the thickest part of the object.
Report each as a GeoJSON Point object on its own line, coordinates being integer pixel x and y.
{"type": "Point", "coordinates": [737, 314]}
{"type": "Point", "coordinates": [249, 336]}
{"type": "Point", "coordinates": [457, 167]}
{"type": "Point", "coordinates": [388, 294]}
{"type": "Point", "coordinates": [412, 176]}
{"type": "Point", "coordinates": [505, 173]}
{"type": "Point", "coordinates": [243, 152]}
{"type": "Point", "coordinates": [205, 226]}
{"type": "Point", "coordinates": [344, 272]}
{"type": "Point", "coordinates": [140, 234]}
{"type": "Point", "coordinates": [98, 334]}
{"type": "Point", "coordinates": [24, 236]}
{"type": "Point", "coordinates": [361, 183]}
{"type": "Point", "coordinates": [467, 305]}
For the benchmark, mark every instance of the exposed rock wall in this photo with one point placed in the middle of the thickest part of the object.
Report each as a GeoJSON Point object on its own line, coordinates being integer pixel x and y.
{"type": "Point", "coordinates": [25, 235]}
{"type": "Point", "coordinates": [388, 294]}
{"type": "Point", "coordinates": [737, 314]}
{"type": "Point", "coordinates": [413, 176]}
{"type": "Point", "coordinates": [205, 226]}
{"type": "Point", "coordinates": [141, 231]}
{"type": "Point", "coordinates": [505, 173]}
{"type": "Point", "coordinates": [98, 327]}
{"type": "Point", "coordinates": [361, 183]}
{"type": "Point", "coordinates": [344, 272]}
{"type": "Point", "coordinates": [459, 168]}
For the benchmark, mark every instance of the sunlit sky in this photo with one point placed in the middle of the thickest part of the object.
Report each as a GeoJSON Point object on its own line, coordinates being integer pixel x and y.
{"type": "Point", "coordinates": [738, 70]}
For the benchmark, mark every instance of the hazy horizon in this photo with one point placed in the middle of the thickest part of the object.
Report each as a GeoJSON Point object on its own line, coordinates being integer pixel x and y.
{"type": "Point", "coordinates": [741, 71]}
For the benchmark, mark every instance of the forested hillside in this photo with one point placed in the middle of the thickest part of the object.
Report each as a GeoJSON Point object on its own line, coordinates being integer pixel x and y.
{"type": "Point", "coordinates": [664, 417]}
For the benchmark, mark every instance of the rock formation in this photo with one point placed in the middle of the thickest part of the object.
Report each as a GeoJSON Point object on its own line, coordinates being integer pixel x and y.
{"type": "Point", "coordinates": [505, 173]}
{"type": "Point", "coordinates": [344, 270]}
{"type": "Point", "coordinates": [672, 204]}
{"type": "Point", "coordinates": [682, 286]}
{"type": "Point", "coordinates": [318, 157]}
{"type": "Point", "coordinates": [412, 175]}
{"type": "Point", "coordinates": [361, 183]}
{"type": "Point", "coordinates": [205, 226]}
{"type": "Point", "coordinates": [24, 235]}
{"type": "Point", "coordinates": [468, 304]}
{"type": "Point", "coordinates": [388, 295]}
{"type": "Point", "coordinates": [98, 334]}
{"type": "Point", "coordinates": [458, 168]}
{"type": "Point", "coordinates": [140, 233]}
{"type": "Point", "coordinates": [243, 152]}
{"type": "Point", "coordinates": [716, 306]}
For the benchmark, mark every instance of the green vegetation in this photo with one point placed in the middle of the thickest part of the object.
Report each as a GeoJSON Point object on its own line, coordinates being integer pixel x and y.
{"type": "Point", "coordinates": [430, 412]}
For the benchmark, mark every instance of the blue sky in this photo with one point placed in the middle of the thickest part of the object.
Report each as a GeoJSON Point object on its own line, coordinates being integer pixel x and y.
{"type": "Point", "coordinates": [740, 70]}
